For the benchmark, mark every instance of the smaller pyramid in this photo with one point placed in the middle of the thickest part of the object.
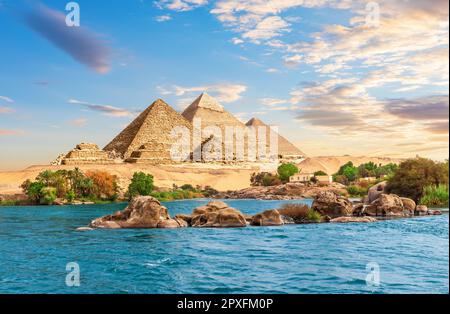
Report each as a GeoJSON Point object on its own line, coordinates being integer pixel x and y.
{"type": "Point", "coordinates": [149, 133]}
{"type": "Point", "coordinates": [285, 148]}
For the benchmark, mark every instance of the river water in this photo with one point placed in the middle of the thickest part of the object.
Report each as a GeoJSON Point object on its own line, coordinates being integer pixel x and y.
{"type": "Point", "coordinates": [37, 243]}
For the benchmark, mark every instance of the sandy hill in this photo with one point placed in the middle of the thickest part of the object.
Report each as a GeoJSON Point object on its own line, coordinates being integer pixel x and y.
{"type": "Point", "coordinates": [331, 164]}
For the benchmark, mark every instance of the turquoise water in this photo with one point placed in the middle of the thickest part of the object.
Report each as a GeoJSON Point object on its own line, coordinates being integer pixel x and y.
{"type": "Point", "coordinates": [36, 243]}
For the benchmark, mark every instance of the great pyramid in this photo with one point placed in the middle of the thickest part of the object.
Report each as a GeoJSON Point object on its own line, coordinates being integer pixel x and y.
{"type": "Point", "coordinates": [286, 149]}
{"type": "Point", "coordinates": [148, 138]}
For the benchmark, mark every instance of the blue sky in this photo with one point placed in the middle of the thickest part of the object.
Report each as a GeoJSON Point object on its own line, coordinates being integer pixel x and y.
{"type": "Point", "coordinates": [333, 85]}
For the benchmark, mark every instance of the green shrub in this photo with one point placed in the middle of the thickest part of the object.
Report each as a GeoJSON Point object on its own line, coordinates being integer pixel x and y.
{"type": "Point", "coordinates": [357, 191]}
{"type": "Point", "coordinates": [209, 191]}
{"type": "Point", "coordinates": [187, 187]}
{"type": "Point", "coordinates": [413, 175]}
{"type": "Point", "coordinates": [141, 184]}
{"type": "Point", "coordinates": [70, 196]}
{"type": "Point", "coordinates": [314, 216]}
{"type": "Point", "coordinates": [34, 191]}
{"type": "Point", "coordinates": [320, 173]}
{"type": "Point", "coordinates": [285, 171]}
{"type": "Point", "coordinates": [435, 195]}
{"type": "Point", "coordinates": [48, 195]}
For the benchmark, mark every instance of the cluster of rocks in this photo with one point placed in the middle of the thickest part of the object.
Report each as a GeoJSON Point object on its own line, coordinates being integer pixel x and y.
{"type": "Point", "coordinates": [147, 212]}
{"type": "Point", "coordinates": [288, 191]}
{"type": "Point", "coordinates": [142, 212]}
{"type": "Point", "coordinates": [379, 203]}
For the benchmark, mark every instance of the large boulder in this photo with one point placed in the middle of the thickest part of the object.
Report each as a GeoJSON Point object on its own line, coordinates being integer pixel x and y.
{"type": "Point", "coordinates": [187, 218]}
{"type": "Point", "coordinates": [141, 212]}
{"type": "Point", "coordinates": [332, 204]}
{"type": "Point", "coordinates": [353, 219]}
{"type": "Point", "coordinates": [217, 214]}
{"type": "Point", "coordinates": [388, 205]}
{"type": "Point", "coordinates": [408, 204]}
{"type": "Point", "coordinates": [421, 210]}
{"type": "Point", "coordinates": [172, 223]}
{"type": "Point", "coordinates": [269, 217]}
{"type": "Point", "coordinates": [375, 191]}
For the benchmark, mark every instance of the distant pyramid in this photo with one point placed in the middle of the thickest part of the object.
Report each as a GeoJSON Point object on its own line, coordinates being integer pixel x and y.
{"type": "Point", "coordinates": [285, 148]}
{"type": "Point", "coordinates": [211, 112]}
{"type": "Point", "coordinates": [148, 136]}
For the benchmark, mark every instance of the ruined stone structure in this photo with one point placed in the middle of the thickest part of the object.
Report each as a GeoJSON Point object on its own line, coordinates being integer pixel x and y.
{"type": "Point", "coordinates": [148, 138]}
{"type": "Point", "coordinates": [286, 150]}
{"type": "Point", "coordinates": [86, 153]}
{"type": "Point", "coordinates": [152, 152]}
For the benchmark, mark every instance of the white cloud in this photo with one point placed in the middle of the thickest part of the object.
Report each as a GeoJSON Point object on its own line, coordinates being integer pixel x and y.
{"type": "Point", "coordinates": [272, 70]}
{"type": "Point", "coordinates": [5, 110]}
{"type": "Point", "coordinates": [79, 122]}
{"type": "Point", "coordinates": [181, 5]}
{"type": "Point", "coordinates": [292, 61]}
{"type": "Point", "coordinates": [267, 28]}
{"type": "Point", "coordinates": [237, 41]}
{"type": "Point", "coordinates": [7, 99]}
{"type": "Point", "coordinates": [105, 109]}
{"type": "Point", "coordinates": [163, 18]}
{"type": "Point", "coordinates": [226, 92]}
{"type": "Point", "coordinates": [271, 102]}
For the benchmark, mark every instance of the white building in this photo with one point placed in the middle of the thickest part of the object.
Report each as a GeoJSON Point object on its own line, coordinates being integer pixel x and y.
{"type": "Point", "coordinates": [301, 177]}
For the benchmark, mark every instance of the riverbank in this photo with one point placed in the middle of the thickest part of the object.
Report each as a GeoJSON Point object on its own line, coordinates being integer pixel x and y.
{"type": "Point", "coordinates": [286, 191]}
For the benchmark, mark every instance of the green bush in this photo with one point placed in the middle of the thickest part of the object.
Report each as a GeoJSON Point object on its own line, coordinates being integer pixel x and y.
{"type": "Point", "coordinates": [72, 184]}
{"type": "Point", "coordinates": [357, 191]}
{"type": "Point", "coordinates": [141, 184]}
{"type": "Point", "coordinates": [320, 173]}
{"type": "Point", "coordinates": [314, 216]}
{"type": "Point", "coordinates": [285, 171]}
{"type": "Point", "coordinates": [48, 195]}
{"type": "Point", "coordinates": [70, 196]}
{"type": "Point", "coordinates": [188, 187]}
{"type": "Point", "coordinates": [271, 180]}
{"type": "Point", "coordinates": [413, 175]}
{"type": "Point", "coordinates": [435, 195]}
{"type": "Point", "coordinates": [33, 190]}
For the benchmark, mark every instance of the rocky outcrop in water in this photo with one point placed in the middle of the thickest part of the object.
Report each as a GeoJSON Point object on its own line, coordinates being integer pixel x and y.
{"type": "Point", "coordinates": [269, 217]}
{"type": "Point", "coordinates": [217, 214]}
{"type": "Point", "coordinates": [331, 204]}
{"type": "Point", "coordinates": [375, 192]}
{"type": "Point", "coordinates": [389, 205]}
{"type": "Point", "coordinates": [142, 212]}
